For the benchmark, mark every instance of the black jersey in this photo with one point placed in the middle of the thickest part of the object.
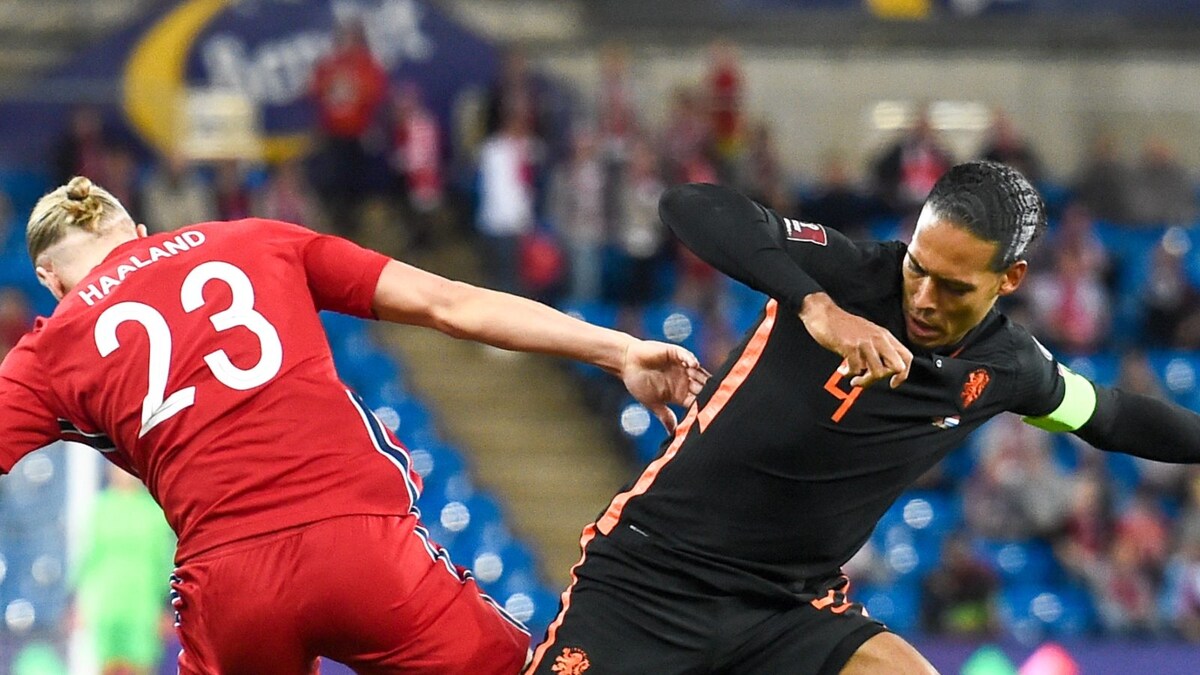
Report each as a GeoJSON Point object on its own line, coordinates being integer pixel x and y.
{"type": "Point", "coordinates": [782, 469]}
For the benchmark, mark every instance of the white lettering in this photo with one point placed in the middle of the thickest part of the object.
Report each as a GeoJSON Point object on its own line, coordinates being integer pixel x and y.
{"type": "Point", "coordinates": [185, 241]}
{"type": "Point", "coordinates": [176, 245]}
{"type": "Point", "coordinates": [193, 238]}
{"type": "Point", "coordinates": [277, 72]}
{"type": "Point", "coordinates": [91, 294]}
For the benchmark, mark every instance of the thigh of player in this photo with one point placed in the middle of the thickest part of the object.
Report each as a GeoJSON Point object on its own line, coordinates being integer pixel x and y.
{"type": "Point", "coordinates": [370, 591]}
{"type": "Point", "coordinates": [626, 616]}
{"type": "Point", "coordinates": [398, 605]}
{"type": "Point", "coordinates": [824, 636]}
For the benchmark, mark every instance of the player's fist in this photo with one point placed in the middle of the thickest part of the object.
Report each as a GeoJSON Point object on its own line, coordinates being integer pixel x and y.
{"type": "Point", "coordinates": [872, 353]}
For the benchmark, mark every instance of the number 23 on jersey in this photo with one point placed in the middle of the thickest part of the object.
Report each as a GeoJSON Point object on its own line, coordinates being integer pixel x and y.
{"type": "Point", "coordinates": [158, 406]}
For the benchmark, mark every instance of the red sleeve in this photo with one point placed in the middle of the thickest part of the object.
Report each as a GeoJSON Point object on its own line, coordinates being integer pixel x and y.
{"type": "Point", "coordinates": [342, 276]}
{"type": "Point", "coordinates": [26, 422]}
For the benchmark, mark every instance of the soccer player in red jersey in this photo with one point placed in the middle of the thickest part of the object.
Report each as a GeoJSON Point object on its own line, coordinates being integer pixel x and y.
{"type": "Point", "coordinates": [196, 360]}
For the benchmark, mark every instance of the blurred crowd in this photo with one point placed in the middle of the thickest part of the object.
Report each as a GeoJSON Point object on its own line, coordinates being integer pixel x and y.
{"type": "Point", "coordinates": [559, 190]}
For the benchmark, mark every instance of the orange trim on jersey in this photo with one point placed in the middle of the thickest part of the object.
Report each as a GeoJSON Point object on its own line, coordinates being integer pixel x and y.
{"type": "Point", "coordinates": [609, 520]}
{"type": "Point", "coordinates": [741, 370]}
{"type": "Point", "coordinates": [822, 603]}
{"type": "Point", "coordinates": [589, 533]}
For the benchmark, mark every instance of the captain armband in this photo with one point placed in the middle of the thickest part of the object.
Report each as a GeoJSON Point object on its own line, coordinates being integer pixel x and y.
{"type": "Point", "coordinates": [1078, 404]}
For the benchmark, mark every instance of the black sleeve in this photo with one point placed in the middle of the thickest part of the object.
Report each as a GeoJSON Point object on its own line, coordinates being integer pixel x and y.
{"type": "Point", "coordinates": [1143, 426]}
{"type": "Point", "coordinates": [783, 258]}
{"type": "Point", "coordinates": [1039, 387]}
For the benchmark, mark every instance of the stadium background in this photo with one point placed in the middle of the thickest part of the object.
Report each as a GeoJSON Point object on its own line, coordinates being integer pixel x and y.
{"type": "Point", "coordinates": [1020, 549]}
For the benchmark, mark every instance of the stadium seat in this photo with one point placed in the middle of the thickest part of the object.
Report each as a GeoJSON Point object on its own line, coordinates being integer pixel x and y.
{"type": "Point", "coordinates": [672, 323]}
{"type": "Point", "coordinates": [1028, 561]}
{"type": "Point", "coordinates": [898, 605]}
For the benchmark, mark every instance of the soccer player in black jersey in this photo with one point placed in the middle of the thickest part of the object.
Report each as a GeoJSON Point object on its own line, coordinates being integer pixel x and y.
{"type": "Point", "coordinates": [725, 555]}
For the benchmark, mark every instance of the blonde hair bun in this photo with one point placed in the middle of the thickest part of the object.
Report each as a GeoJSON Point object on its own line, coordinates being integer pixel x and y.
{"type": "Point", "coordinates": [79, 189]}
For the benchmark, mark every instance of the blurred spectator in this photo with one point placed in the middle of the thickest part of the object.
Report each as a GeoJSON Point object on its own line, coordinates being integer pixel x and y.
{"type": "Point", "coordinates": [1142, 524]}
{"type": "Point", "coordinates": [417, 159]}
{"type": "Point", "coordinates": [232, 196]}
{"type": "Point", "coordinates": [576, 208]}
{"type": "Point", "coordinates": [1182, 596]}
{"type": "Point", "coordinates": [507, 165]}
{"type": "Point", "coordinates": [1087, 531]}
{"type": "Point", "coordinates": [760, 171]}
{"type": "Point", "coordinates": [1076, 235]}
{"type": "Point", "coordinates": [1170, 300]}
{"type": "Point", "coordinates": [1006, 145]}
{"type": "Point", "coordinates": [725, 84]}
{"type": "Point", "coordinates": [175, 196]}
{"type": "Point", "coordinates": [641, 238]}
{"type": "Point", "coordinates": [1070, 304]}
{"type": "Point", "coordinates": [288, 197]}
{"type": "Point", "coordinates": [1124, 591]}
{"type": "Point", "coordinates": [122, 176]}
{"type": "Point", "coordinates": [1102, 183]}
{"type": "Point", "coordinates": [518, 90]}
{"type": "Point", "coordinates": [348, 87]}
{"type": "Point", "coordinates": [81, 150]}
{"type": "Point", "coordinates": [120, 579]}
{"type": "Point", "coordinates": [837, 202]}
{"type": "Point", "coordinates": [16, 318]}
{"type": "Point", "coordinates": [1188, 525]}
{"type": "Point", "coordinates": [1160, 189]}
{"type": "Point", "coordinates": [958, 596]}
{"type": "Point", "coordinates": [906, 172]}
{"type": "Point", "coordinates": [617, 104]}
{"type": "Point", "coordinates": [1016, 491]}
{"type": "Point", "coordinates": [686, 140]}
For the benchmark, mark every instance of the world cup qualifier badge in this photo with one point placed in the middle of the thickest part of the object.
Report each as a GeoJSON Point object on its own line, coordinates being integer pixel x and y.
{"type": "Point", "coordinates": [806, 232]}
{"type": "Point", "coordinates": [976, 383]}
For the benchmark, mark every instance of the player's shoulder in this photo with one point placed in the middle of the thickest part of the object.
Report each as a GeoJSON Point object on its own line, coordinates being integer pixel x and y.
{"type": "Point", "coordinates": [23, 357]}
{"type": "Point", "coordinates": [1010, 344]}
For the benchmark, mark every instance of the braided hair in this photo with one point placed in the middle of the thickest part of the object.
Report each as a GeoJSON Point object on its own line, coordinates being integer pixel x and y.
{"type": "Point", "coordinates": [995, 203]}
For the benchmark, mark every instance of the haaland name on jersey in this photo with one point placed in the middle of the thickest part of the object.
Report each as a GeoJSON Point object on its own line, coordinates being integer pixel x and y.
{"type": "Point", "coordinates": [185, 241]}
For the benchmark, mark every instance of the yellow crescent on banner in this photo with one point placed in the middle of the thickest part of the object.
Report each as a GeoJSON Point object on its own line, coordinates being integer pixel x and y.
{"type": "Point", "coordinates": [154, 79]}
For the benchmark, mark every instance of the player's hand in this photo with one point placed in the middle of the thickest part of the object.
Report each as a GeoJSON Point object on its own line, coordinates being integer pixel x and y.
{"type": "Point", "coordinates": [657, 373]}
{"type": "Point", "coordinates": [872, 353]}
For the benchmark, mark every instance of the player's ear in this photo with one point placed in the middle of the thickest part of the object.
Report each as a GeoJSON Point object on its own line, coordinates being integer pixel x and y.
{"type": "Point", "coordinates": [1013, 276]}
{"type": "Point", "coordinates": [48, 278]}
{"type": "Point", "coordinates": [142, 232]}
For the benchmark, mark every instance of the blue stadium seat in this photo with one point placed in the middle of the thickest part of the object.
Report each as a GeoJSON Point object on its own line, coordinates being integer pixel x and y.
{"type": "Point", "coordinates": [898, 605]}
{"type": "Point", "coordinates": [672, 323]}
{"type": "Point", "coordinates": [1034, 612]}
{"type": "Point", "coordinates": [642, 428]}
{"type": "Point", "coordinates": [1020, 562]}
{"type": "Point", "coordinates": [535, 608]}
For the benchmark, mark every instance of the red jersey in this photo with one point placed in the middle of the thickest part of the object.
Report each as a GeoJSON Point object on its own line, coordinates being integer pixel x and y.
{"type": "Point", "coordinates": [196, 360]}
{"type": "Point", "coordinates": [349, 87]}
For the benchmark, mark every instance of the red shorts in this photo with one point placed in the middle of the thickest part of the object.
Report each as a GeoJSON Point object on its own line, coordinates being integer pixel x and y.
{"type": "Point", "coordinates": [369, 591]}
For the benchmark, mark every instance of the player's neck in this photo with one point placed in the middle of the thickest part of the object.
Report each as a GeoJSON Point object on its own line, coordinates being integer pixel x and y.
{"type": "Point", "coordinates": [87, 255]}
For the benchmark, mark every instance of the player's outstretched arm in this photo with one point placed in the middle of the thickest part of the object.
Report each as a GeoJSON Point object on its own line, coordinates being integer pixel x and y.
{"type": "Point", "coordinates": [732, 233]}
{"type": "Point", "coordinates": [1142, 426]}
{"type": "Point", "coordinates": [655, 373]}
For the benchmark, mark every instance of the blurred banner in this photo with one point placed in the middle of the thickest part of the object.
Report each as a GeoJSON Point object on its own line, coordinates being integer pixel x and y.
{"type": "Point", "coordinates": [910, 9]}
{"type": "Point", "coordinates": [156, 80]}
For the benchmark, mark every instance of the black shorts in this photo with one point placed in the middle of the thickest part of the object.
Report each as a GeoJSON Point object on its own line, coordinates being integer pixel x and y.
{"type": "Point", "coordinates": [633, 609]}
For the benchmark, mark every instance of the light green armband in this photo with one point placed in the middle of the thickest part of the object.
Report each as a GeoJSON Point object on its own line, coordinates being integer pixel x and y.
{"type": "Point", "coordinates": [1078, 404]}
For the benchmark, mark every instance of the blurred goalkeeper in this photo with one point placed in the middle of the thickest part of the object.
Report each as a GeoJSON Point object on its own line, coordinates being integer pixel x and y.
{"type": "Point", "coordinates": [196, 361]}
{"type": "Point", "coordinates": [725, 555]}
